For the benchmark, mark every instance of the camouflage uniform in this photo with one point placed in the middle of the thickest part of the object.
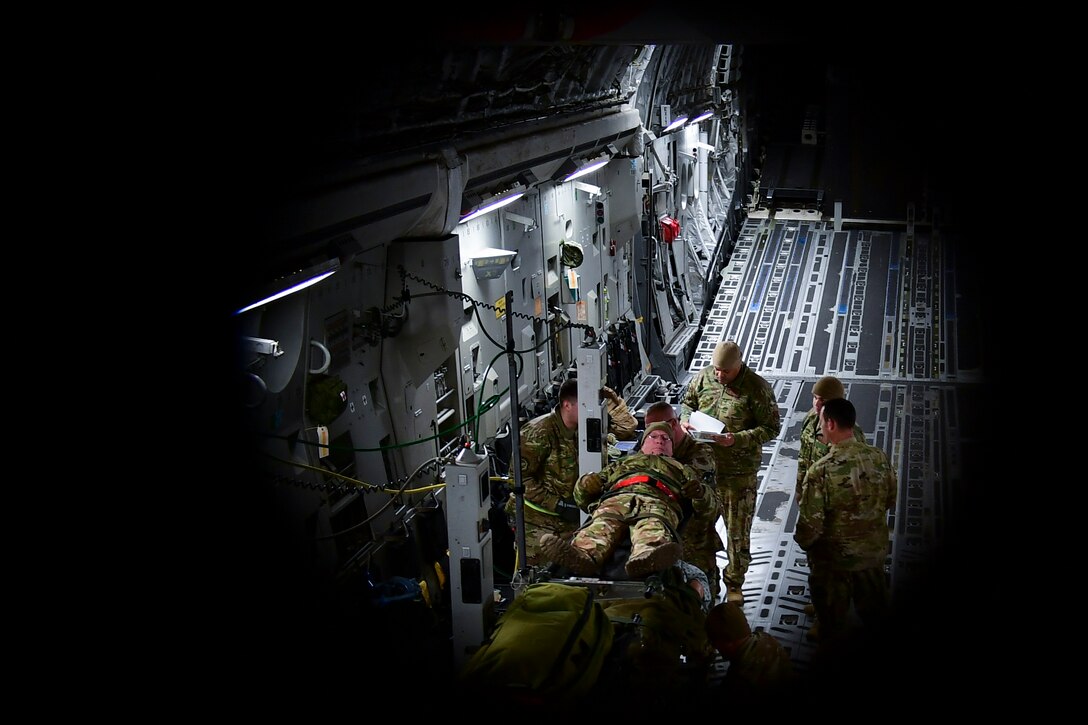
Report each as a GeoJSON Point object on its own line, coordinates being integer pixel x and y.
{"type": "Point", "coordinates": [812, 450]}
{"type": "Point", "coordinates": [699, 533]}
{"type": "Point", "coordinates": [620, 421]}
{"type": "Point", "coordinates": [549, 468]}
{"type": "Point", "coordinates": [843, 523]}
{"type": "Point", "coordinates": [750, 412]}
{"type": "Point", "coordinates": [648, 512]}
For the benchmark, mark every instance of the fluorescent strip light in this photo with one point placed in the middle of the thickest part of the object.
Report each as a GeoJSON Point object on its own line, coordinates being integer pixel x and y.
{"type": "Point", "coordinates": [587, 169]}
{"type": "Point", "coordinates": [702, 117]}
{"type": "Point", "coordinates": [308, 277]}
{"type": "Point", "coordinates": [675, 124]}
{"type": "Point", "coordinates": [492, 206]}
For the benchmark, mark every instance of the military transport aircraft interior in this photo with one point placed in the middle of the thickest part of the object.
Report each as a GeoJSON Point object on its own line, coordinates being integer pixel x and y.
{"type": "Point", "coordinates": [426, 239]}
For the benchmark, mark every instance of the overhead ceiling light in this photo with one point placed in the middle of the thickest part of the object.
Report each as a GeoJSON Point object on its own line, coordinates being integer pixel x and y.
{"type": "Point", "coordinates": [297, 281]}
{"type": "Point", "coordinates": [703, 116]}
{"type": "Point", "coordinates": [578, 166]}
{"type": "Point", "coordinates": [496, 201]}
{"type": "Point", "coordinates": [676, 123]}
{"type": "Point", "coordinates": [588, 168]}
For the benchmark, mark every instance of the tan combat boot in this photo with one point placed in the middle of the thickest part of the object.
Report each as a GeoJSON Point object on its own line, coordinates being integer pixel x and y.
{"type": "Point", "coordinates": [566, 555]}
{"type": "Point", "coordinates": [654, 560]}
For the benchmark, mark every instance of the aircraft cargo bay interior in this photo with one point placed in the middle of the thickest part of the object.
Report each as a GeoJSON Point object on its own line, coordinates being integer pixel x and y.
{"type": "Point", "coordinates": [424, 255]}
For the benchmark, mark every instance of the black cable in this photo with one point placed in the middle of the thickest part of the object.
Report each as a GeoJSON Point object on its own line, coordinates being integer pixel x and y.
{"type": "Point", "coordinates": [467, 298]}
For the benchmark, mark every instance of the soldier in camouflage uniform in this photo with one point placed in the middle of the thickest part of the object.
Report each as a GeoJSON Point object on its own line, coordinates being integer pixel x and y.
{"type": "Point", "coordinates": [733, 393]}
{"type": "Point", "coordinates": [843, 522]}
{"type": "Point", "coordinates": [699, 531]}
{"type": "Point", "coordinates": [639, 494]}
{"type": "Point", "coordinates": [759, 666]}
{"type": "Point", "coordinates": [813, 448]}
{"type": "Point", "coordinates": [549, 469]}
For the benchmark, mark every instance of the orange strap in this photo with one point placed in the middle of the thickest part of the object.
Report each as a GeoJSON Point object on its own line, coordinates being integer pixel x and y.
{"type": "Point", "coordinates": [644, 479]}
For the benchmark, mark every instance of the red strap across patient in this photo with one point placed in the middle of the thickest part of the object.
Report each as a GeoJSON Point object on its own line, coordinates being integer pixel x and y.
{"type": "Point", "coordinates": [644, 479]}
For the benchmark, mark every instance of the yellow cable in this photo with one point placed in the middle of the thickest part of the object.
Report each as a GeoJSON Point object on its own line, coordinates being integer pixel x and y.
{"type": "Point", "coordinates": [441, 574]}
{"type": "Point", "coordinates": [361, 484]}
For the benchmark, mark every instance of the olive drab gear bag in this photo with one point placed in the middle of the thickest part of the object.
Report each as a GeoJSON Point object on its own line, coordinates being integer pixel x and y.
{"type": "Point", "coordinates": [571, 254]}
{"type": "Point", "coordinates": [548, 645]}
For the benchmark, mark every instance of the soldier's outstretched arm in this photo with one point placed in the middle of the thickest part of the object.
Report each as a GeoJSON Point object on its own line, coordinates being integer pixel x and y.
{"type": "Point", "coordinates": [620, 421]}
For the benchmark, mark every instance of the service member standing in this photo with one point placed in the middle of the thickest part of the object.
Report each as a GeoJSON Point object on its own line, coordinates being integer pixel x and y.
{"type": "Point", "coordinates": [733, 393]}
{"type": "Point", "coordinates": [813, 448]}
{"type": "Point", "coordinates": [843, 521]}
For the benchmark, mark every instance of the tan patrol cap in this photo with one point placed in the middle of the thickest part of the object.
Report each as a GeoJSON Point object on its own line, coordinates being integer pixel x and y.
{"type": "Point", "coordinates": [829, 388]}
{"type": "Point", "coordinates": [726, 355]}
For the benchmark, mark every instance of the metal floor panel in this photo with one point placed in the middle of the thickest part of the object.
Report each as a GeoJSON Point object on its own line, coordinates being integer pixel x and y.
{"type": "Point", "coordinates": [872, 307]}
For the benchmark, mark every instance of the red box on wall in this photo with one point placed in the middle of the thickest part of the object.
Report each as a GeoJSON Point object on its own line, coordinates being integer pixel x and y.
{"type": "Point", "coordinates": [670, 228]}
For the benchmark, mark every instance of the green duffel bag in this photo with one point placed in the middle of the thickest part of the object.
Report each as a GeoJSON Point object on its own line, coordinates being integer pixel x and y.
{"type": "Point", "coordinates": [548, 647]}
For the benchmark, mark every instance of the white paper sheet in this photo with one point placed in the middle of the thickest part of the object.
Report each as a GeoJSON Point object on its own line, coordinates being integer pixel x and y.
{"type": "Point", "coordinates": [704, 422]}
